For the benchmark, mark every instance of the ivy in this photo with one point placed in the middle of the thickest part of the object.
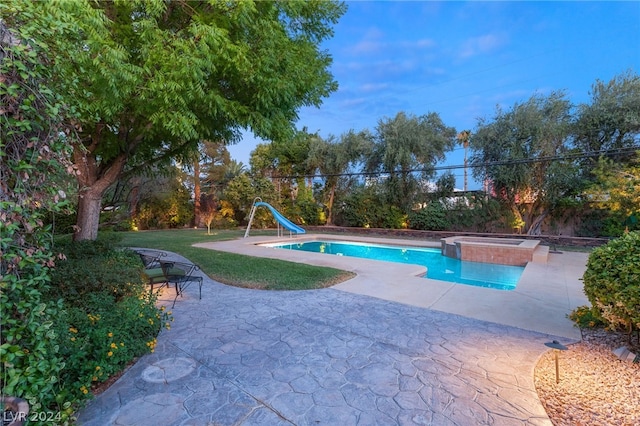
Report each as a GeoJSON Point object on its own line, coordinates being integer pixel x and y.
{"type": "Point", "coordinates": [33, 156]}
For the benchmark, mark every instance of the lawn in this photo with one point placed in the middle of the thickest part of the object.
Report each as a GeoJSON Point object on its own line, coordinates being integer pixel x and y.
{"type": "Point", "coordinates": [236, 269]}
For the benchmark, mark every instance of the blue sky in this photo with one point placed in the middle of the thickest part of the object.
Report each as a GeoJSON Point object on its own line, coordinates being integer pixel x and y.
{"type": "Point", "coordinates": [462, 59]}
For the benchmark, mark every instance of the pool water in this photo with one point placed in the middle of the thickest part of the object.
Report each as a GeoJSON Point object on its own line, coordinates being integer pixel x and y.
{"type": "Point", "coordinates": [501, 277]}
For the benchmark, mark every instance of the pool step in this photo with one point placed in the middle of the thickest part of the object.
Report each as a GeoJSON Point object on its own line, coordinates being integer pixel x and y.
{"type": "Point", "coordinates": [540, 254]}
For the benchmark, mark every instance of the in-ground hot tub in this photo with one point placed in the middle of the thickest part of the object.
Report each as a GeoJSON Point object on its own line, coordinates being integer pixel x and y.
{"type": "Point", "coordinates": [503, 251]}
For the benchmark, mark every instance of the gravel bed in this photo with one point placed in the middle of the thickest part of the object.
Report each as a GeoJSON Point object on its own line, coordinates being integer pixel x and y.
{"type": "Point", "coordinates": [595, 388]}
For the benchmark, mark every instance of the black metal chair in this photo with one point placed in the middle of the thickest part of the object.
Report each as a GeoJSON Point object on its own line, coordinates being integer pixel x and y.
{"type": "Point", "coordinates": [150, 258]}
{"type": "Point", "coordinates": [181, 274]}
{"type": "Point", "coordinates": [153, 271]}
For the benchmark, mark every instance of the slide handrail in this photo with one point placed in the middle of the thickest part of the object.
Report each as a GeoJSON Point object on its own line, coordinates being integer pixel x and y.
{"type": "Point", "coordinates": [279, 217]}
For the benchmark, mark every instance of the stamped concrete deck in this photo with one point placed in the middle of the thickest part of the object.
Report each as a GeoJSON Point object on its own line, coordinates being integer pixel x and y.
{"type": "Point", "coordinates": [386, 347]}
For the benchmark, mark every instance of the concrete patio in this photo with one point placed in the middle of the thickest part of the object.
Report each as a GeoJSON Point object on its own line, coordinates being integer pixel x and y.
{"type": "Point", "coordinates": [386, 347]}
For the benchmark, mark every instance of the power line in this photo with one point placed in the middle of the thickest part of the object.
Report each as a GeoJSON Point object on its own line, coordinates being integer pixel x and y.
{"type": "Point", "coordinates": [510, 162]}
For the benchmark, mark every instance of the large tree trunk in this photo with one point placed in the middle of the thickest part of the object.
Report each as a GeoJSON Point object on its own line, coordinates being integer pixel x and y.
{"type": "Point", "coordinates": [93, 181]}
{"type": "Point", "coordinates": [332, 193]}
{"type": "Point", "coordinates": [536, 225]}
{"type": "Point", "coordinates": [89, 207]}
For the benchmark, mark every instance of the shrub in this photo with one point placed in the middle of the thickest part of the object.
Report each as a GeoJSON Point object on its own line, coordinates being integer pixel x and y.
{"type": "Point", "coordinates": [612, 281]}
{"type": "Point", "coordinates": [108, 318]}
{"type": "Point", "coordinates": [31, 362]}
{"type": "Point", "coordinates": [310, 212]}
{"type": "Point", "coordinates": [88, 271]}
{"type": "Point", "coordinates": [587, 317]}
{"type": "Point", "coordinates": [100, 338]}
{"type": "Point", "coordinates": [390, 217]}
{"type": "Point", "coordinates": [434, 217]}
{"type": "Point", "coordinates": [365, 208]}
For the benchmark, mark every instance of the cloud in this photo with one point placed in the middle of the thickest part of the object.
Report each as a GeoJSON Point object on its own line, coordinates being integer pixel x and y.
{"type": "Point", "coordinates": [375, 42]}
{"type": "Point", "coordinates": [366, 47]}
{"type": "Point", "coordinates": [483, 44]}
{"type": "Point", "coordinates": [374, 87]}
{"type": "Point", "coordinates": [424, 43]}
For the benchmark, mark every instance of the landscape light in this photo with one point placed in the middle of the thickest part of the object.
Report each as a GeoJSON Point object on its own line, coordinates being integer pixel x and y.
{"type": "Point", "coordinates": [557, 347]}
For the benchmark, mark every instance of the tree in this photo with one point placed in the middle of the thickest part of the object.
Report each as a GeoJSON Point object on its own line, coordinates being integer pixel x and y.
{"type": "Point", "coordinates": [334, 158]}
{"type": "Point", "coordinates": [241, 192]}
{"type": "Point", "coordinates": [208, 163]}
{"type": "Point", "coordinates": [148, 79]}
{"type": "Point", "coordinates": [617, 189]}
{"type": "Point", "coordinates": [516, 152]}
{"type": "Point", "coordinates": [404, 144]}
{"type": "Point", "coordinates": [611, 121]}
{"type": "Point", "coordinates": [463, 138]}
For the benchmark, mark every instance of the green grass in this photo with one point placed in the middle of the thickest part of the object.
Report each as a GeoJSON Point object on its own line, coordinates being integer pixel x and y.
{"type": "Point", "coordinates": [235, 269]}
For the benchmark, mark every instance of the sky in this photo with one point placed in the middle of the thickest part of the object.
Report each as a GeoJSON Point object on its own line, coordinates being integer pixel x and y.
{"type": "Point", "coordinates": [463, 59]}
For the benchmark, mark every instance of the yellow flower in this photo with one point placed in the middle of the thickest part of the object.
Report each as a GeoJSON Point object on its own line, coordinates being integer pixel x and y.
{"type": "Point", "coordinates": [73, 330]}
{"type": "Point", "coordinates": [114, 346]}
{"type": "Point", "coordinates": [97, 367]}
{"type": "Point", "coordinates": [162, 308]}
{"type": "Point", "coordinates": [73, 339]}
{"type": "Point", "coordinates": [84, 390]}
{"type": "Point", "coordinates": [122, 344]}
{"type": "Point", "coordinates": [94, 379]}
{"type": "Point", "coordinates": [109, 353]}
{"type": "Point", "coordinates": [110, 334]}
{"type": "Point", "coordinates": [169, 313]}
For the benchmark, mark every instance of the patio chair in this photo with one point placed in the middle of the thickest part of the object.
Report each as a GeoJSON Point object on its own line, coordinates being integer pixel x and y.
{"type": "Point", "coordinates": [181, 274]}
{"type": "Point", "coordinates": [153, 272]}
{"type": "Point", "coordinates": [150, 258]}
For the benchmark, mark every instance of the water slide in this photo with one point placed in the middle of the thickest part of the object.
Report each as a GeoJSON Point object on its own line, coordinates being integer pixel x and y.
{"type": "Point", "coordinates": [283, 221]}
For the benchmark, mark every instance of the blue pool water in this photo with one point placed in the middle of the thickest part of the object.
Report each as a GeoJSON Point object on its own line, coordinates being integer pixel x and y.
{"type": "Point", "coordinates": [439, 267]}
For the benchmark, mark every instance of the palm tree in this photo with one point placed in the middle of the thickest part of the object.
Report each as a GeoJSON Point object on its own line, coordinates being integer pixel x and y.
{"type": "Point", "coordinates": [463, 138]}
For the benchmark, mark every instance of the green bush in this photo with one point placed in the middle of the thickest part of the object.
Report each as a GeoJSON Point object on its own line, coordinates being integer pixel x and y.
{"type": "Point", "coordinates": [364, 208]}
{"type": "Point", "coordinates": [100, 338]}
{"type": "Point", "coordinates": [391, 217]}
{"type": "Point", "coordinates": [587, 317]}
{"type": "Point", "coordinates": [107, 316]}
{"type": "Point", "coordinates": [605, 223]}
{"type": "Point", "coordinates": [434, 217]}
{"type": "Point", "coordinates": [310, 212]}
{"type": "Point", "coordinates": [116, 273]}
{"type": "Point", "coordinates": [612, 281]}
{"type": "Point", "coordinates": [30, 357]}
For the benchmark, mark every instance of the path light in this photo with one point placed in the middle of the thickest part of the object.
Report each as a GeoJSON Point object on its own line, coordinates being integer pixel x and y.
{"type": "Point", "coordinates": [557, 347]}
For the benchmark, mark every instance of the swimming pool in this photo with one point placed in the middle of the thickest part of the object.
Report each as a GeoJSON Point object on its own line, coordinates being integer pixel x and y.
{"type": "Point", "coordinates": [439, 267]}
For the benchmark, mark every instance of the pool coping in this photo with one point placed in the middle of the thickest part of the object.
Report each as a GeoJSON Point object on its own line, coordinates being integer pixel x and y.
{"type": "Point", "coordinates": [545, 295]}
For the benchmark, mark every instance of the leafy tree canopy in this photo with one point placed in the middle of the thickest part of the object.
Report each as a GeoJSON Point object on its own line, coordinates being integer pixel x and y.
{"type": "Point", "coordinates": [617, 188]}
{"type": "Point", "coordinates": [612, 120]}
{"type": "Point", "coordinates": [333, 158]}
{"type": "Point", "coordinates": [148, 79]}
{"type": "Point", "coordinates": [516, 152]}
{"type": "Point", "coordinates": [406, 143]}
